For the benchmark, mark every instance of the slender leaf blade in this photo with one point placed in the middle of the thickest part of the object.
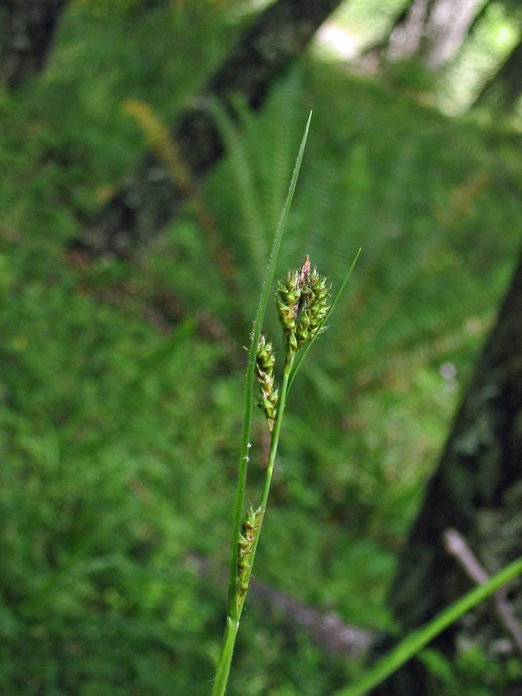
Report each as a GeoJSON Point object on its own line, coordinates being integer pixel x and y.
{"type": "Point", "coordinates": [414, 642]}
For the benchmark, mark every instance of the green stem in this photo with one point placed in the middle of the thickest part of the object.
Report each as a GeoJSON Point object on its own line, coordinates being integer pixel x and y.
{"type": "Point", "coordinates": [233, 611]}
{"type": "Point", "coordinates": [232, 625]}
{"type": "Point", "coordinates": [274, 440]}
{"type": "Point", "coordinates": [225, 657]}
{"type": "Point", "coordinates": [249, 382]}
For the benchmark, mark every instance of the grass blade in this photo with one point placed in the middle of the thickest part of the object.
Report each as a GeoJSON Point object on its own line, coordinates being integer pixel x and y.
{"type": "Point", "coordinates": [417, 640]}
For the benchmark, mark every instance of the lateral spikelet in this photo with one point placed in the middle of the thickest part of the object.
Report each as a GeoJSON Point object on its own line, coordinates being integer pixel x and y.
{"type": "Point", "coordinates": [245, 551]}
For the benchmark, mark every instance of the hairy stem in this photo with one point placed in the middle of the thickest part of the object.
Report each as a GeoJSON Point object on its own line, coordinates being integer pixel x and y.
{"type": "Point", "coordinates": [225, 657]}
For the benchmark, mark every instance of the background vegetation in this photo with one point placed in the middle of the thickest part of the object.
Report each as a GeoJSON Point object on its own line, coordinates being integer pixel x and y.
{"type": "Point", "coordinates": [120, 396]}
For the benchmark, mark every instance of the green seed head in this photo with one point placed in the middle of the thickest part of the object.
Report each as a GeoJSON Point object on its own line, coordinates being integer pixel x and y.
{"type": "Point", "coordinates": [302, 304]}
{"type": "Point", "coordinates": [245, 551]}
{"type": "Point", "coordinates": [315, 306]}
{"type": "Point", "coordinates": [265, 361]}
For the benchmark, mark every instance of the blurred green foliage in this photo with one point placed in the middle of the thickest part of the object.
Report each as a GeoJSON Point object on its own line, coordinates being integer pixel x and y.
{"type": "Point", "coordinates": [120, 434]}
{"type": "Point", "coordinates": [472, 672]}
{"type": "Point", "coordinates": [495, 35]}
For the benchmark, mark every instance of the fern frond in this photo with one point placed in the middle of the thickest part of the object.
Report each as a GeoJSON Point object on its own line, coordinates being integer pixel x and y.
{"type": "Point", "coordinates": [246, 189]}
{"type": "Point", "coordinates": [166, 150]}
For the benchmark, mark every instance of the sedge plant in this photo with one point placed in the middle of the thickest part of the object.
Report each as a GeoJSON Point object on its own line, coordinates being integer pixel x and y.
{"type": "Point", "coordinates": [303, 303]}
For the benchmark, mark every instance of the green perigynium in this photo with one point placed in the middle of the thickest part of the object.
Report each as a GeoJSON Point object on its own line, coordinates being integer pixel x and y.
{"type": "Point", "coordinates": [245, 555]}
{"type": "Point", "coordinates": [316, 294]}
{"type": "Point", "coordinates": [265, 361]}
{"type": "Point", "coordinates": [288, 299]}
{"type": "Point", "coordinates": [302, 304]}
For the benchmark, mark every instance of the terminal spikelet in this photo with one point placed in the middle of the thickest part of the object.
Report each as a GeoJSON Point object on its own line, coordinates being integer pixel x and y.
{"type": "Point", "coordinates": [315, 307]}
{"type": "Point", "coordinates": [302, 304]}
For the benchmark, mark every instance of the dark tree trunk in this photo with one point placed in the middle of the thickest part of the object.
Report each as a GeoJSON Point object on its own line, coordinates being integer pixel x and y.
{"type": "Point", "coordinates": [506, 86]}
{"type": "Point", "coordinates": [433, 31]}
{"type": "Point", "coordinates": [27, 30]}
{"type": "Point", "coordinates": [476, 489]}
{"type": "Point", "coordinates": [150, 198]}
